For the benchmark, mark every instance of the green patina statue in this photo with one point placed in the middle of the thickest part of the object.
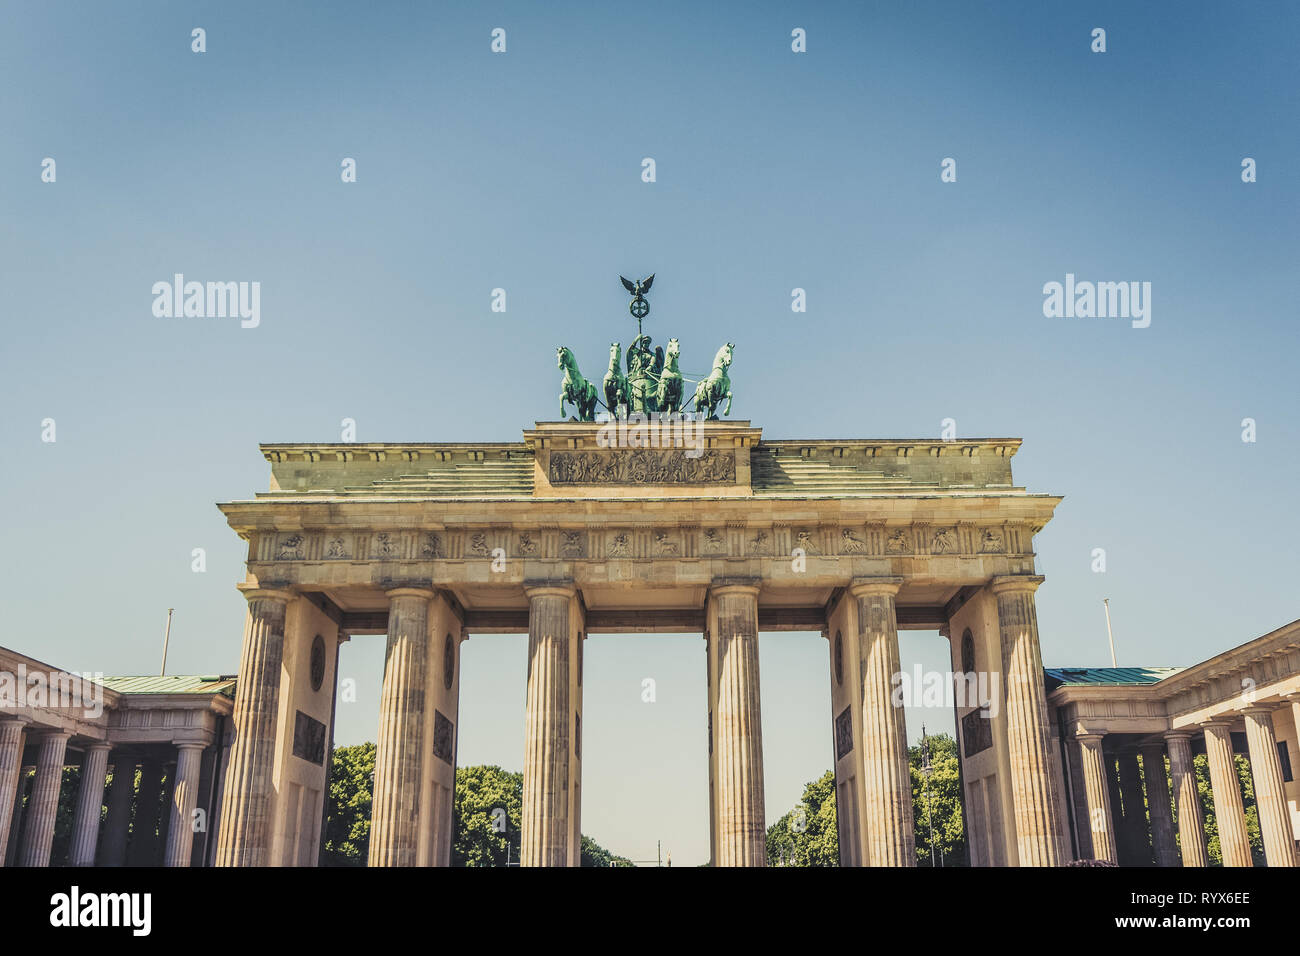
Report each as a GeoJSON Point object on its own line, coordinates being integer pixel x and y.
{"type": "Point", "coordinates": [710, 392]}
{"type": "Point", "coordinates": [653, 384]}
{"type": "Point", "coordinates": [575, 389]}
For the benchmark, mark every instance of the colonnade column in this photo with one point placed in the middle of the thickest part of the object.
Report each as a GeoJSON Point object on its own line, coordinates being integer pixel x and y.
{"type": "Point", "coordinates": [740, 827]}
{"type": "Point", "coordinates": [90, 802]}
{"type": "Point", "coordinates": [1187, 799]}
{"type": "Point", "coordinates": [395, 814]}
{"type": "Point", "coordinates": [1270, 795]}
{"type": "Point", "coordinates": [886, 777]}
{"type": "Point", "coordinates": [43, 805]}
{"type": "Point", "coordinates": [1101, 821]}
{"type": "Point", "coordinates": [245, 835]}
{"type": "Point", "coordinates": [185, 797]}
{"type": "Point", "coordinates": [11, 764]}
{"type": "Point", "coordinates": [549, 749]}
{"type": "Point", "coordinates": [1162, 825]}
{"type": "Point", "coordinates": [1229, 813]}
{"type": "Point", "coordinates": [1037, 813]}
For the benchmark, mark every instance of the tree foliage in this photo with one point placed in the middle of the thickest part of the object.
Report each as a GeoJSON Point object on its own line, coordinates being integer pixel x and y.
{"type": "Point", "coordinates": [487, 814]}
{"type": "Point", "coordinates": [808, 835]}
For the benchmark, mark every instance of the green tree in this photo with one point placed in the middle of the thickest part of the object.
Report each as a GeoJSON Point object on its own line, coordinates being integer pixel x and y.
{"type": "Point", "coordinates": [937, 800]}
{"type": "Point", "coordinates": [1215, 851]}
{"type": "Point", "coordinates": [488, 813]}
{"type": "Point", "coordinates": [807, 835]}
{"type": "Point", "coordinates": [347, 809]}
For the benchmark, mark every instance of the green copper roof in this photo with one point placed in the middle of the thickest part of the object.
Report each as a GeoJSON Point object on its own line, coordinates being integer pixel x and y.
{"type": "Point", "coordinates": [1077, 676]}
{"type": "Point", "coordinates": [172, 684]}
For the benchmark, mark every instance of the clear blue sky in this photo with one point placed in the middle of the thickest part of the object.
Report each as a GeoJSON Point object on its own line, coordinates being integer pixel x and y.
{"type": "Point", "coordinates": [522, 171]}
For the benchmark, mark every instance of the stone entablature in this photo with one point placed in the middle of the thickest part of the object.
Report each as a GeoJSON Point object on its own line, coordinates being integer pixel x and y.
{"type": "Point", "coordinates": [1222, 687]}
{"type": "Point", "coordinates": [574, 459]}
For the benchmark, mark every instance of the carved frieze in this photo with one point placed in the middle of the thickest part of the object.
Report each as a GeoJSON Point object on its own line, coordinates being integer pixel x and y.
{"type": "Point", "coordinates": [642, 466]}
{"type": "Point", "coordinates": [851, 542]}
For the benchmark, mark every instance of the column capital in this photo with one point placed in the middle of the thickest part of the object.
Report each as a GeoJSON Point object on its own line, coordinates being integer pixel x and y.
{"type": "Point", "coordinates": [1216, 723]}
{"type": "Point", "coordinates": [189, 745]}
{"type": "Point", "coordinates": [1182, 734]}
{"type": "Point", "coordinates": [1257, 709]}
{"type": "Point", "coordinates": [862, 587]}
{"type": "Point", "coordinates": [253, 592]}
{"type": "Point", "coordinates": [99, 745]}
{"type": "Point", "coordinates": [547, 588]}
{"type": "Point", "coordinates": [721, 586]}
{"type": "Point", "coordinates": [406, 591]}
{"type": "Point", "coordinates": [1082, 734]}
{"type": "Point", "coordinates": [18, 719]}
{"type": "Point", "coordinates": [1002, 583]}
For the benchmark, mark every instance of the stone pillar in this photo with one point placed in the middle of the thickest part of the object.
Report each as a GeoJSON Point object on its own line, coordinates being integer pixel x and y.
{"type": "Point", "coordinates": [741, 828]}
{"type": "Point", "coordinates": [185, 796]}
{"type": "Point", "coordinates": [90, 803]}
{"type": "Point", "coordinates": [1270, 793]}
{"type": "Point", "coordinates": [245, 835]}
{"type": "Point", "coordinates": [11, 764]}
{"type": "Point", "coordinates": [886, 778]}
{"type": "Point", "coordinates": [395, 809]}
{"type": "Point", "coordinates": [1101, 821]}
{"type": "Point", "coordinates": [548, 749]}
{"type": "Point", "coordinates": [118, 821]}
{"type": "Point", "coordinates": [1037, 813]}
{"type": "Point", "coordinates": [38, 832]}
{"type": "Point", "coordinates": [1162, 825]}
{"type": "Point", "coordinates": [1228, 810]}
{"type": "Point", "coordinates": [1135, 811]}
{"type": "Point", "coordinates": [1187, 799]}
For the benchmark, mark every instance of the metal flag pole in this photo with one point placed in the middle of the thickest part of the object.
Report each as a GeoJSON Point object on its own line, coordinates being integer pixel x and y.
{"type": "Point", "coordinates": [166, 639]}
{"type": "Point", "coordinates": [1110, 633]}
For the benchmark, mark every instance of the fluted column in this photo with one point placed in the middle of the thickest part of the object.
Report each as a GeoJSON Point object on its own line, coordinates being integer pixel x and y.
{"type": "Point", "coordinates": [1101, 822]}
{"type": "Point", "coordinates": [1270, 793]}
{"type": "Point", "coordinates": [1037, 814]}
{"type": "Point", "coordinates": [90, 803]}
{"type": "Point", "coordinates": [118, 820]}
{"type": "Point", "coordinates": [547, 748]}
{"type": "Point", "coordinates": [245, 835]}
{"type": "Point", "coordinates": [738, 729]}
{"type": "Point", "coordinates": [1229, 813]}
{"type": "Point", "coordinates": [11, 763]}
{"type": "Point", "coordinates": [43, 805]}
{"type": "Point", "coordinates": [1162, 825]}
{"type": "Point", "coordinates": [886, 777]}
{"type": "Point", "coordinates": [185, 797]}
{"type": "Point", "coordinates": [1187, 799]}
{"type": "Point", "coordinates": [395, 809]}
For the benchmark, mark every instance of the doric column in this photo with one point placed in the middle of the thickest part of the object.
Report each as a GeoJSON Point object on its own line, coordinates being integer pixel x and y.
{"type": "Point", "coordinates": [11, 763]}
{"type": "Point", "coordinates": [1101, 822]}
{"type": "Point", "coordinates": [738, 728]}
{"type": "Point", "coordinates": [245, 835]}
{"type": "Point", "coordinates": [1162, 826]}
{"type": "Point", "coordinates": [118, 820]}
{"type": "Point", "coordinates": [1270, 795]}
{"type": "Point", "coordinates": [90, 802]}
{"type": "Point", "coordinates": [1228, 811]}
{"type": "Point", "coordinates": [1037, 814]}
{"type": "Point", "coordinates": [185, 797]}
{"type": "Point", "coordinates": [547, 746]}
{"type": "Point", "coordinates": [43, 805]}
{"type": "Point", "coordinates": [1135, 813]}
{"type": "Point", "coordinates": [1187, 799]}
{"type": "Point", "coordinates": [886, 777]}
{"type": "Point", "coordinates": [395, 809]}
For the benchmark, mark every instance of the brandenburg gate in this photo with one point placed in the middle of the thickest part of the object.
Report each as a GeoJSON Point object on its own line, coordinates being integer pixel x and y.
{"type": "Point", "coordinates": [677, 527]}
